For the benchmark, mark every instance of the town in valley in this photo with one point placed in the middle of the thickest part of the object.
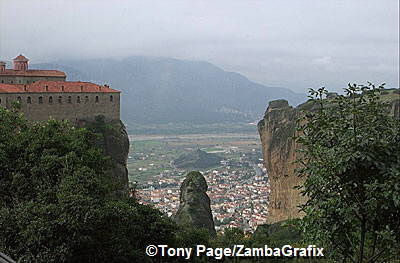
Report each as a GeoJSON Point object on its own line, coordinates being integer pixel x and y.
{"type": "Point", "coordinates": [237, 186]}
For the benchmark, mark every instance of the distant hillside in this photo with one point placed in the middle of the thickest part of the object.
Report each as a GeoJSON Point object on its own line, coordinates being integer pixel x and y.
{"type": "Point", "coordinates": [197, 160]}
{"type": "Point", "coordinates": [162, 90]}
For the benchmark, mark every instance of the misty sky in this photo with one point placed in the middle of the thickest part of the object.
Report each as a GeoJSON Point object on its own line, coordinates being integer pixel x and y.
{"type": "Point", "coordinates": [295, 44]}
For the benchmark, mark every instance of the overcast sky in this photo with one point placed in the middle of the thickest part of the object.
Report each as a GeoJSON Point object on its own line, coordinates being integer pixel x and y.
{"type": "Point", "coordinates": [295, 44]}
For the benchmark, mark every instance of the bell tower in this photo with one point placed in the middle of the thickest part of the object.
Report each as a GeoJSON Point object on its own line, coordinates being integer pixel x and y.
{"type": "Point", "coordinates": [2, 66]}
{"type": "Point", "coordinates": [20, 63]}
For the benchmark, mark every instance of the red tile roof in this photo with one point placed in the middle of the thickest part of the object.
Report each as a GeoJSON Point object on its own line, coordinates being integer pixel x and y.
{"type": "Point", "coordinates": [9, 88]}
{"type": "Point", "coordinates": [55, 86]}
{"type": "Point", "coordinates": [21, 58]}
{"type": "Point", "coordinates": [33, 73]}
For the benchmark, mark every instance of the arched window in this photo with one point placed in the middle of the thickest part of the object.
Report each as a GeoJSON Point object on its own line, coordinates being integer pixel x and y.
{"type": "Point", "coordinates": [50, 99]}
{"type": "Point", "coordinates": [78, 99]}
{"type": "Point", "coordinates": [111, 98]}
{"type": "Point", "coordinates": [0, 100]}
{"type": "Point", "coordinates": [69, 99]}
{"type": "Point", "coordinates": [29, 100]}
{"type": "Point", "coordinates": [97, 99]}
{"type": "Point", "coordinates": [59, 99]}
{"type": "Point", "coordinates": [86, 99]}
{"type": "Point", "coordinates": [19, 99]}
{"type": "Point", "coordinates": [40, 100]}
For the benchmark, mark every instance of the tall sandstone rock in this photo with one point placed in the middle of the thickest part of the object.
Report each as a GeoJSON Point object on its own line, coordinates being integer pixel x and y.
{"type": "Point", "coordinates": [277, 129]}
{"type": "Point", "coordinates": [194, 208]}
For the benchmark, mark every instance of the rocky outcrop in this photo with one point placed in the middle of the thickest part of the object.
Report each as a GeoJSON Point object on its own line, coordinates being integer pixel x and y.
{"type": "Point", "coordinates": [277, 129]}
{"type": "Point", "coordinates": [194, 208]}
{"type": "Point", "coordinates": [113, 139]}
{"type": "Point", "coordinates": [116, 145]}
{"type": "Point", "coordinates": [279, 151]}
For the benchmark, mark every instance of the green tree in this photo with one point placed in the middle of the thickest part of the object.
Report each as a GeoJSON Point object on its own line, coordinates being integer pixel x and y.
{"type": "Point", "coordinates": [58, 205]}
{"type": "Point", "coordinates": [232, 236]}
{"type": "Point", "coordinates": [351, 162]}
{"type": "Point", "coordinates": [277, 234]}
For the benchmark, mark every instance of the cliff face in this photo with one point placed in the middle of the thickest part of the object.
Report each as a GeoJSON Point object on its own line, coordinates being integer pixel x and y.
{"type": "Point", "coordinates": [113, 139]}
{"type": "Point", "coordinates": [277, 129]}
{"type": "Point", "coordinates": [116, 145]}
{"type": "Point", "coordinates": [194, 208]}
{"type": "Point", "coordinates": [279, 152]}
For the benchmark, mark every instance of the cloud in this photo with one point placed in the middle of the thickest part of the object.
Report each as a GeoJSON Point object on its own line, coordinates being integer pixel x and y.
{"type": "Point", "coordinates": [322, 61]}
{"type": "Point", "coordinates": [296, 44]}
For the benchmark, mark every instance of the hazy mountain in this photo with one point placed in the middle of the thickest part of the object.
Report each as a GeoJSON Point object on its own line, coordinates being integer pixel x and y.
{"type": "Point", "coordinates": [158, 90]}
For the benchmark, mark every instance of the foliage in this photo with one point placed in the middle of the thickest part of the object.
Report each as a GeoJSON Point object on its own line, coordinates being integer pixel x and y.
{"type": "Point", "coordinates": [231, 236]}
{"type": "Point", "coordinates": [57, 205]}
{"type": "Point", "coordinates": [276, 235]}
{"type": "Point", "coordinates": [191, 236]}
{"type": "Point", "coordinates": [350, 157]}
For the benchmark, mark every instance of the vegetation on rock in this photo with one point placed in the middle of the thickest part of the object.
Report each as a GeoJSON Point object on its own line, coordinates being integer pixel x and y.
{"type": "Point", "coordinates": [57, 204]}
{"type": "Point", "coordinates": [351, 162]}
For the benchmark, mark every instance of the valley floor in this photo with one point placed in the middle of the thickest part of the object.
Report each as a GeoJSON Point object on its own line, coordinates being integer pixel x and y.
{"type": "Point", "coordinates": [238, 186]}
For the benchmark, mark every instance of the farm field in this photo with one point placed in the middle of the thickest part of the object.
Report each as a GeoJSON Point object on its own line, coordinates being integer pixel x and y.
{"type": "Point", "coordinates": [151, 155]}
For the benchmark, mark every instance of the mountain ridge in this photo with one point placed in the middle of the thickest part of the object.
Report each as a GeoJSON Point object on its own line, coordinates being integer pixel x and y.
{"type": "Point", "coordinates": [162, 90]}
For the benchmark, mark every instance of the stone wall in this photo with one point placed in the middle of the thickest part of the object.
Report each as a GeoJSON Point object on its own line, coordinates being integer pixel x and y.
{"type": "Point", "coordinates": [65, 106]}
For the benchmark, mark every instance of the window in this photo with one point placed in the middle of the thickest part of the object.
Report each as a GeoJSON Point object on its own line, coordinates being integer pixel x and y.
{"type": "Point", "coordinates": [59, 99]}
{"type": "Point", "coordinates": [12, 82]}
{"type": "Point", "coordinates": [78, 99]}
{"type": "Point", "coordinates": [69, 99]}
{"type": "Point", "coordinates": [29, 100]}
{"type": "Point", "coordinates": [2, 81]}
{"type": "Point", "coordinates": [50, 99]}
{"type": "Point", "coordinates": [97, 99]}
{"type": "Point", "coordinates": [111, 98]}
{"type": "Point", "coordinates": [40, 100]}
{"type": "Point", "coordinates": [0, 101]}
{"type": "Point", "coordinates": [86, 99]}
{"type": "Point", "coordinates": [19, 99]}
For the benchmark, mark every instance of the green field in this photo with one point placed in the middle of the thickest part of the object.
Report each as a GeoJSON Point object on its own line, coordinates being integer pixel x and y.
{"type": "Point", "coordinates": [151, 155]}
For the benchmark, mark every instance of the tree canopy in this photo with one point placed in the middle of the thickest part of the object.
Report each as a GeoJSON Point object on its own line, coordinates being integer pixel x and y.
{"type": "Point", "coordinates": [57, 204]}
{"type": "Point", "coordinates": [351, 166]}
